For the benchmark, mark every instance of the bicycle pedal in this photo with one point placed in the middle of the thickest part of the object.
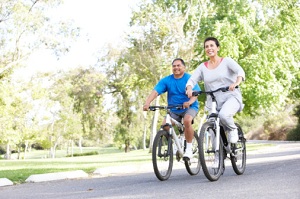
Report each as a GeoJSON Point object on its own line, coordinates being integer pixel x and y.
{"type": "Point", "coordinates": [186, 159]}
{"type": "Point", "coordinates": [223, 169]}
{"type": "Point", "coordinates": [177, 156]}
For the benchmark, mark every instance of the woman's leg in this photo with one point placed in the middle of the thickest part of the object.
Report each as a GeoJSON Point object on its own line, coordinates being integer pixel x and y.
{"type": "Point", "coordinates": [228, 110]}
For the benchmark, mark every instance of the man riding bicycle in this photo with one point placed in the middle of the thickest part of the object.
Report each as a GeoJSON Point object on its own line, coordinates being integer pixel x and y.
{"type": "Point", "coordinates": [175, 86]}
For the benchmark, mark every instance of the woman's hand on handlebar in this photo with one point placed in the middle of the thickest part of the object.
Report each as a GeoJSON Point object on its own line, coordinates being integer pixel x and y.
{"type": "Point", "coordinates": [233, 86]}
{"type": "Point", "coordinates": [189, 91]}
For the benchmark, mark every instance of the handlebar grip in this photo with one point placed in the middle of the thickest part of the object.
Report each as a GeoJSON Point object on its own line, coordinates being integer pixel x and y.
{"type": "Point", "coordinates": [227, 88]}
{"type": "Point", "coordinates": [196, 93]}
{"type": "Point", "coordinates": [151, 108]}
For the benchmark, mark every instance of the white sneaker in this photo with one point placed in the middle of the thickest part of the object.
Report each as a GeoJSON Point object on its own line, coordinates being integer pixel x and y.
{"type": "Point", "coordinates": [233, 136]}
{"type": "Point", "coordinates": [188, 154]}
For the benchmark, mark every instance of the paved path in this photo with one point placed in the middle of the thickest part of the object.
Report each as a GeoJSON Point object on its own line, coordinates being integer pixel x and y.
{"type": "Point", "coordinates": [122, 170]}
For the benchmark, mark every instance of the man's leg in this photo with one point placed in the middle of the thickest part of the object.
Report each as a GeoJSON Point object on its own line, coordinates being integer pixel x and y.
{"type": "Point", "coordinates": [189, 131]}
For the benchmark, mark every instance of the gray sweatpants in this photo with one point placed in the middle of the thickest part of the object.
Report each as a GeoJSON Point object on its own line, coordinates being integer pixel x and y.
{"type": "Point", "coordinates": [230, 107]}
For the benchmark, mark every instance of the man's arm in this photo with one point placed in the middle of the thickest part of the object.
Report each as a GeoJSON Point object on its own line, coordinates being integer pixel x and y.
{"type": "Point", "coordinates": [149, 99]}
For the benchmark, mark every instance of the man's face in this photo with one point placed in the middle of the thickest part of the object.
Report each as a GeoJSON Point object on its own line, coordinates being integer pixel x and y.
{"type": "Point", "coordinates": [178, 68]}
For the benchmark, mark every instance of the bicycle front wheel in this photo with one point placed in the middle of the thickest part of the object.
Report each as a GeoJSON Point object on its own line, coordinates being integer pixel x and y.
{"type": "Point", "coordinates": [211, 159]}
{"type": "Point", "coordinates": [193, 166]}
{"type": "Point", "coordinates": [162, 155]}
{"type": "Point", "coordinates": [238, 155]}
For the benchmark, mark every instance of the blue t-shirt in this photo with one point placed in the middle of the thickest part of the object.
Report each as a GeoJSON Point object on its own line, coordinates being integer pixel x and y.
{"type": "Point", "coordinates": [176, 91]}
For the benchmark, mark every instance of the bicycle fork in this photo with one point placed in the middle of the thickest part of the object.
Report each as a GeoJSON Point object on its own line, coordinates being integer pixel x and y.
{"type": "Point", "coordinates": [167, 152]}
{"type": "Point", "coordinates": [214, 138]}
{"type": "Point", "coordinates": [171, 134]}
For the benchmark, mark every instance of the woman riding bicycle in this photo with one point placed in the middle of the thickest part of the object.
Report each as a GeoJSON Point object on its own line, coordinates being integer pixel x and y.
{"type": "Point", "coordinates": [220, 72]}
{"type": "Point", "coordinates": [175, 86]}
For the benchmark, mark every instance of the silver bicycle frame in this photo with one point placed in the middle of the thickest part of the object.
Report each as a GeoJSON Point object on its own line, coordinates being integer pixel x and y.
{"type": "Point", "coordinates": [217, 125]}
{"type": "Point", "coordinates": [172, 132]}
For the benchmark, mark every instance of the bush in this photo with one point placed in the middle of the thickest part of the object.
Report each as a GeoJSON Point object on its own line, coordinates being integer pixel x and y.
{"type": "Point", "coordinates": [84, 154]}
{"type": "Point", "coordinates": [294, 135]}
{"type": "Point", "coordinates": [37, 146]}
{"type": "Point", "coordinates": [272, 127]}
{"type": "Point", "coordinates": [2, 150]}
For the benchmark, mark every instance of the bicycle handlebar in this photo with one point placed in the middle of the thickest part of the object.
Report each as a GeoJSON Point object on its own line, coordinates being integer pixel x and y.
{"type": "Point", "coordinates": [223, 89]}
{"type": "Point", "coordinates": [153, 108]}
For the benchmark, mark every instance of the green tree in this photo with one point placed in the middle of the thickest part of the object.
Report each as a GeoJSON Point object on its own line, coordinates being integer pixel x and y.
{"type": "Point", "coordinates": [157, 38]}
{"type": "Point", "coordinates": [295, 133]}
{"type": "Point", "coordinates": [263, 37]}
{"type": "Point", "coordinates": [88, 94]}
{"type": "Point", "coordinates": [24, 25]}
{"type": "Point", "coordinates": [27, 27]}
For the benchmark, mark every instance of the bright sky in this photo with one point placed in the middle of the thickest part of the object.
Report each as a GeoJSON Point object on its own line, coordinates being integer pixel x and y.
{"type": "Point", "coordinates": [102, 21]}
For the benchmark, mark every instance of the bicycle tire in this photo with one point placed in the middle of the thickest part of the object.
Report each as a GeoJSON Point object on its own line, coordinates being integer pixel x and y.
{"type": "Point", "coordinates": [238, 160]}
{"type": "Point", "coordinates": [162, 156]}
{"type": "Point", "coordinates": [193, 166]}
{"type": "Point", "coordinates": [207, 152]}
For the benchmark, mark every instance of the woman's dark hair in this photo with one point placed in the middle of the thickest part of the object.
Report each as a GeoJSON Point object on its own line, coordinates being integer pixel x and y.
{"type": "Point", "coordinates": [178, 59]}
{"type": "Point", "coordinates": [211, 39]}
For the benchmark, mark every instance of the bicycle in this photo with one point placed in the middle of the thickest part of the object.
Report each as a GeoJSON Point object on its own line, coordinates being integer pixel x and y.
{"type": "Point", "coordinates": [214, 146]}
{"type": "Point", "coordinates": [167, 141]}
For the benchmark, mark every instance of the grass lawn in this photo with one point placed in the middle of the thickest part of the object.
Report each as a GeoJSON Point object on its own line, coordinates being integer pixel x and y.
{"type": "Point", "coordinates": [35, 163]}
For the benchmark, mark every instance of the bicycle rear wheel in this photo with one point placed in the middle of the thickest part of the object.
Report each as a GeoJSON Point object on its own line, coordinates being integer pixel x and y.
{"type": "Point", "coordinates": [211, 160]}
{"type": "Point", "coordinates": [193, 166]}
{"type": "Point", "coordinates": [238, 158]}
{"type": "Point", "coordinates": [162, 156]}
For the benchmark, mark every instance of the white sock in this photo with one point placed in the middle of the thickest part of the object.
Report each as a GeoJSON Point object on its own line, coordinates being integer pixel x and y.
{"type": "Point", "coordinates": [188, 146]}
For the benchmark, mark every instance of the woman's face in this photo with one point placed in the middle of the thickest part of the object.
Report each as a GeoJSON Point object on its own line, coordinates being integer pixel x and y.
{"type": "Point", "coordinates": [211, 49]}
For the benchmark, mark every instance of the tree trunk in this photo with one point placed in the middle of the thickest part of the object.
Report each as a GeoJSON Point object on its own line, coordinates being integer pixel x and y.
{"type": "Point", "coordinates": [52, 152]}
{"type": "Point", "coordinates": [80, 144]}
{"type": "Point", "coordinates": [68, 146]}
{"type": "Point", "coordinates": [145, 130]}
{"type": "Point", "coordinates": [127, 146]}
{"type": "Point", "coordinates": [19, 152]}
{"type": "Point", "coordinates": [154, 124]}
{"type": "Point", "coordinates": [26, 148]}
{"type": "Point", "coordinates": [7, 156]}
{"type": "Point", "coordinates": [72, 148]}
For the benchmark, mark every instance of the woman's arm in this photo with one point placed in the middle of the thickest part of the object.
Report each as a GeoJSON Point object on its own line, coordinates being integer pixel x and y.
{"type": "Point", "coordinates": [193, 80]}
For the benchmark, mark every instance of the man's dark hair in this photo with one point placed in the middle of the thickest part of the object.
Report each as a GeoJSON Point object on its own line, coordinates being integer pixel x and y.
{"type": "Point", "coordinates": [178, 59]}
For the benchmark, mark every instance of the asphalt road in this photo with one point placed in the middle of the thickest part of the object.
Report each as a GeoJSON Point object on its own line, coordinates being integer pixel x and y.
{"type": "Point", "coordinates": [272, 173]}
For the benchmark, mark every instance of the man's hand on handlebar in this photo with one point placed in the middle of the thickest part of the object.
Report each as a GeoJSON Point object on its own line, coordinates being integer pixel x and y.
{"type": "Point", "coordinates": [146, 107]}
{"type": "Point", "coordinates": [186, 105]}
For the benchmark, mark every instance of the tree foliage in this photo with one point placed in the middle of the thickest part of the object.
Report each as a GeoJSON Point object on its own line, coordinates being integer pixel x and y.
{"type": "Point", "coordinates": [25, 26]}
{"type": "Point", "coordinates": [262, 36]}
